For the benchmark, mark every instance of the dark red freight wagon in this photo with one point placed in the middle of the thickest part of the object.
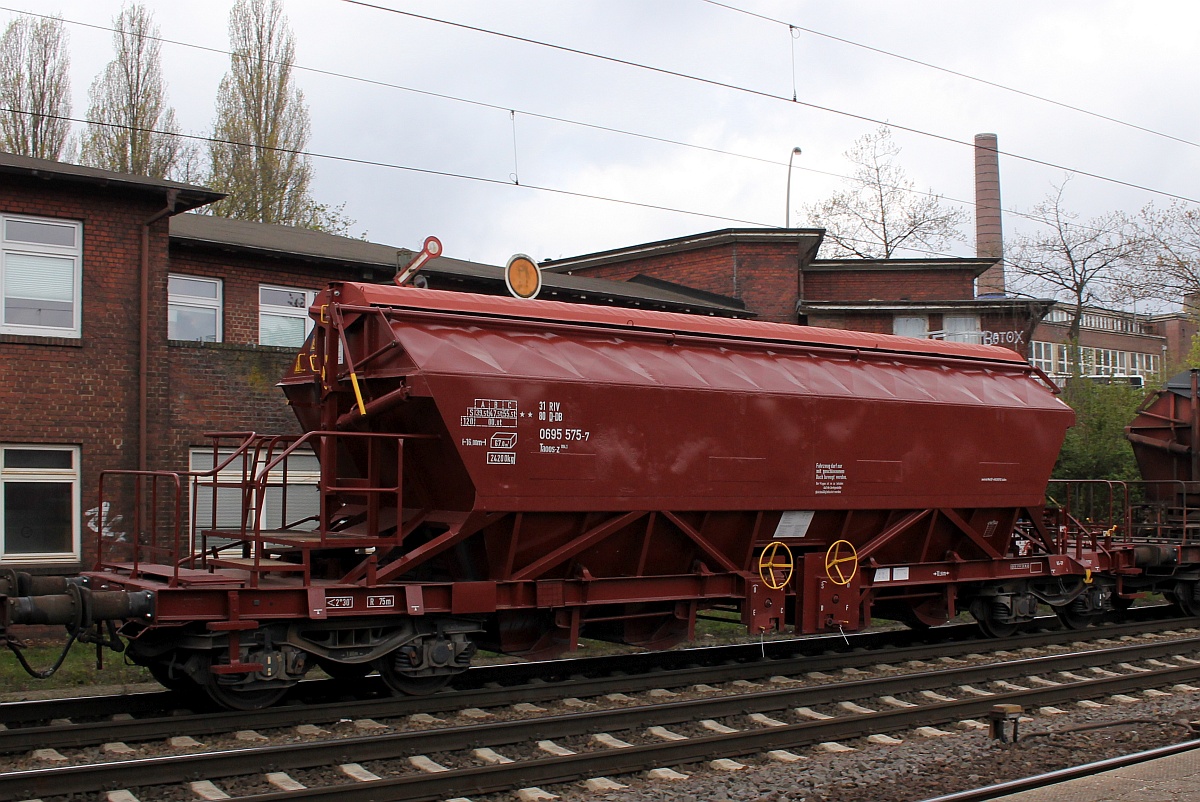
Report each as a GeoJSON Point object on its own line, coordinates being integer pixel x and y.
{"type": "Point", "coordinates": [515, 474]}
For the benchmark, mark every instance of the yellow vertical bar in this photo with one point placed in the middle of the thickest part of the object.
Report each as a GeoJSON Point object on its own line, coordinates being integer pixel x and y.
{"type": "Point", "coordinates": [362, 409]}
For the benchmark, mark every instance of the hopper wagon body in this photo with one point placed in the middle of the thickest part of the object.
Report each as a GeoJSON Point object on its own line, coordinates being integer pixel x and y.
{"type": "Point", "coordinates": [516, 475]}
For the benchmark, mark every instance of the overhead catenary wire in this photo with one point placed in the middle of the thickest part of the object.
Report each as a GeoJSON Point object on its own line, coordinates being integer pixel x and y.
{"type": "Point", "coordinates": [761, 93]}
{"type": "Point", "coordinates": [514, 176]}
{"type": "Point", "coordinates": [957, 73]}
{"type": "Point", "coordinates": [449, 174]}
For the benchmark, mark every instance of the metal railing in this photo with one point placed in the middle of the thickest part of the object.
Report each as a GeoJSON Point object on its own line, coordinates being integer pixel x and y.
{"type": "Point", "coordinates": [160, 543]}
{"type": "Point", "coordinates": [1100, 511]}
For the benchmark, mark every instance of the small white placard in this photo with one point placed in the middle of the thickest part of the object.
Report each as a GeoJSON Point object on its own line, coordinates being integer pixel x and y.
{"type": "Point", "coordinates": [900, 574]}
{"type": "Point", "coordinates": [883, 574]}
{"type": "Point", "coordinates": [794, 523]}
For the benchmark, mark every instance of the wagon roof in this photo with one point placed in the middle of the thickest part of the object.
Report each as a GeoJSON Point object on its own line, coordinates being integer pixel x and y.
{"type": "Point", "coordinates": [538, 311]}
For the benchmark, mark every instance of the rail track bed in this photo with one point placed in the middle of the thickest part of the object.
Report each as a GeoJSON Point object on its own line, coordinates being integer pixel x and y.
{"type": "Point", "coordinates": [713, 663]}
{"type": "Point", "coordinates": [493, 739]}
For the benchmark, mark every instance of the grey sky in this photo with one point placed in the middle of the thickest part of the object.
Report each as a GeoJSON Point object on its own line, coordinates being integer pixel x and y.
{"type": "Point", "coordinates": [1133, 61]}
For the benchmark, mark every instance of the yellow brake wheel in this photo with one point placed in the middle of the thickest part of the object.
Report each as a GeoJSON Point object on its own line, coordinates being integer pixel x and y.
{"type": "Point", "coordinates": [841, 562]}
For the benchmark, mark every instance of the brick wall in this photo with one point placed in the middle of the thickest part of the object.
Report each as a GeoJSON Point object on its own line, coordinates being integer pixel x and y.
{"type": "Point", "coordinates": [765, 276]}
{"type": "Point", "coordinates": [848, 284]}
{"type": "Point", "coordinates": [223, 387]}
{"type": "Point", "coordinates": [85, 392]}
{"type": "Point", "coordinates": [241, 275]}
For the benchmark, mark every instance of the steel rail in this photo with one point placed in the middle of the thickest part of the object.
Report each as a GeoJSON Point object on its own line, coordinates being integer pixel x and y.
{"type": "Point", "coordinates": [492, 779]}
{"type": "Point", "coordinates": [1064, 775]}
{"type": "Point", "coordinates": [83, 734]}
{"type": "Point", "coordinates": [1145, 619]}
{"type": "Point", "coordinates": [211, 765]}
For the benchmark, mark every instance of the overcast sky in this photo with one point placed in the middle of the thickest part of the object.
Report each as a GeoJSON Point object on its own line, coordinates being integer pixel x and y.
{"type": "Point", "coordinates": [1135, 61]}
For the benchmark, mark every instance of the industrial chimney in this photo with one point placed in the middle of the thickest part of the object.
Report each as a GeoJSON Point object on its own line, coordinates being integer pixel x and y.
{"type": "Point", "coordinates": [989, 237]}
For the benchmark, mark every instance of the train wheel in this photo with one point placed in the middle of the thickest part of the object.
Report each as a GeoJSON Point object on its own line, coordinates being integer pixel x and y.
{"type": "Point", "coordinates": [407, 684]}
{"type": "Point", "coordinates": [997, 629]}
{"type": "Point", "coordinates": [1073, 619]}
{"type": "Point", "coordinates": [926, 614]}
{"type": "Point", "coordinates": [171, 679]}
{"type": "Point", "coordinates": [252, 696]}
{"type": "Point", "coordinates": [1184, 597]}
{"type": "Point", "coordinates": [992, 628]}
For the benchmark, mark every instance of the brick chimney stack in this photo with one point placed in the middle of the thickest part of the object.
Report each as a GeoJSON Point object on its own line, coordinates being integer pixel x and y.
{"type": "Point", "coordinates": [989, 237]}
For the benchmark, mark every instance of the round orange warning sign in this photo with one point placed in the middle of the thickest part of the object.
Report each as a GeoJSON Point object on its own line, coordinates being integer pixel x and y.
{"type": "Point", "coordinates": [522, 277]}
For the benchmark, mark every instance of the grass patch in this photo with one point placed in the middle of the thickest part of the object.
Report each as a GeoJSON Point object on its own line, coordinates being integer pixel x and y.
{"type": "Point", "coordinates": [78, 670]}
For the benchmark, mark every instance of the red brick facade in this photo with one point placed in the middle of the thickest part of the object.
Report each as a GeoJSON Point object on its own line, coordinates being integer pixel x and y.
{"type": "Point", "coordinates": [775, 274]}
{"type": "Point", "coordinates": [842, 281]}
{"type": "Point", "coordinates": [761, 269]}
{"type": "Point", "coordinates": [84, 392]}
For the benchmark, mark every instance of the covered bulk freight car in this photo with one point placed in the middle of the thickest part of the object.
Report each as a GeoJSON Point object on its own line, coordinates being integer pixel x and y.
{"type": "Point", "coordinates": [517, 474]}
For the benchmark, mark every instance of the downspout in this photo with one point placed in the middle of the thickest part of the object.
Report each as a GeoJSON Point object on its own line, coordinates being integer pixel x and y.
{"type": "Point", "coordinates": [144, 328]}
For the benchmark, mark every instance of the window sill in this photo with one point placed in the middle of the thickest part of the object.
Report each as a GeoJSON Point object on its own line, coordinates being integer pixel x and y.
{"type": "Point", "coordinates": [227, 346]}
{"type": "Point", "coordinates": [44, 567]}
{"type": "Point", "coordinates": [36, 339]}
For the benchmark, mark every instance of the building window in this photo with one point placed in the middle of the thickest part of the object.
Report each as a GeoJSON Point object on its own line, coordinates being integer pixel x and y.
{"type": "Point", "coordinates": [194, 308]}
{"type": "Point", "coordinates": [1042, 357]}
{"type": "Point", "coordinates": [911, 325]}
{"type": "Point", "coordinates": [40, 265]}
{"type": "Point", "coordinates": [283, 316]}
{"type": "Point", "coordinates": [294, 506]}
{"type": "Point", "coordinates": [39, 516]}
{"type": "Point", "coordinates": [961, 328]}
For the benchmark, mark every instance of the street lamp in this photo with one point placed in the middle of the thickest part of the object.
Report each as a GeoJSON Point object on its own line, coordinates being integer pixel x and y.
{"type": "Point", "coordinates": [787, 220]}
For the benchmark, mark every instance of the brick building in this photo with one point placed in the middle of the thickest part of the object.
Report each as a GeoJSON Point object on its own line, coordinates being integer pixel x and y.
{"type": "Point", "coordinates": [84, 356]}
{"type": "Point", "coordinates": [1112, 344]}
{"type": "Point", "coordinates": [775, 274]}
{"type": "Point", "coordinates": [130, 329]}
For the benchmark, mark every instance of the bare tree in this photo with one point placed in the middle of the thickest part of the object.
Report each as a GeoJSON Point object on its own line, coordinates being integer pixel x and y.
{"type": "Point", "coordinates": [1173, 238]}
{"type": "Point", "coordinates": [881, 212]}
{"type": "Point", "coordinates": [130, 127]}
{"type": "Point", "coordinates": [35, 92]}
{"type": "Point", "coordinates": [262, 126]}
{"type": "Point", "coordinates": [1081, 263]}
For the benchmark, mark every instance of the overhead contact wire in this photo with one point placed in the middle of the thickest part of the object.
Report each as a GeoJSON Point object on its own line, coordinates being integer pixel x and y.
{"type": "Point", "coordinates": [759, 93]}
{"type": "Point", "coordinates": [540, 116]}
{"type": "Point", "coordinates": [956, 73]}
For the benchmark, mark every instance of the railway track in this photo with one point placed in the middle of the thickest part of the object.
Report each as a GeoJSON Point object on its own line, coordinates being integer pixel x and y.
{"type": "Point", "coordinates": [495, 751]}
{"type": "Point", "coordinates": [733, 660]}
{"type": "Point", "coordinates": [78, 723]}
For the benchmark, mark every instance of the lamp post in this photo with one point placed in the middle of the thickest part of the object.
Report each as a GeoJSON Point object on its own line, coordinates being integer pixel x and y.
{"type": "Point", "coordinates": [787, 220]}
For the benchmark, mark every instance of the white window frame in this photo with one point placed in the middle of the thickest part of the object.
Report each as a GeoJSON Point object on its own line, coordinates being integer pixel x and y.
{"type": "Point", "coordinates": [923, 320]}
{"type": "Point", "coordinates": [196, 302]}
{"type": "Point", "coordinates": [285, 311]}
{"type": "Point", "coordinates": [74, 253]}
{"type": "Point", "coordinates": [970, 334]}
{"type": "Point", "coordinates": [55, 475]}
{"type": "Point", "coordinates": [1041, 356]}
{"type": "Point", "coordinates": [232, 473]}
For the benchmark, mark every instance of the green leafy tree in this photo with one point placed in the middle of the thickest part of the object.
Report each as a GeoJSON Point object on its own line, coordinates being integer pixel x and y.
{"type": "Point", "coordinates": [1095, 447]}
{"type": "Point", "coordinates": [35, 90]}
{"type": "Point", "coordinates": [262, 128]}
{"type": "Point", "coordinates": [130, 127]}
